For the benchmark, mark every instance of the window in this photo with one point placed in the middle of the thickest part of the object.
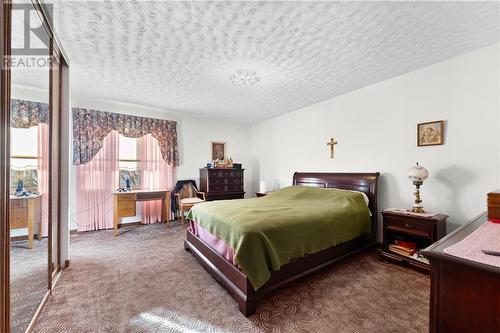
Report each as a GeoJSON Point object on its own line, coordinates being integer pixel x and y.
{"type": "Point", "coordinates": [128, 161]}
{"type": "Point", "coordinates": [24, 158]}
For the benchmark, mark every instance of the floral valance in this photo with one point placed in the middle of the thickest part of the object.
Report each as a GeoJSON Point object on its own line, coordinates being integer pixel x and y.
{"type": "Point", "coordinates": [90, 127]}
{"type": "Point", "coordinates": [25, 114]}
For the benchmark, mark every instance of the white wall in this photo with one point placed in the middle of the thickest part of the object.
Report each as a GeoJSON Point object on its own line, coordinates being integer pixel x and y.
{"type": "Point", "coordinates": [194, 139]}
{"type": "Point", "coordinates": [376, 131]}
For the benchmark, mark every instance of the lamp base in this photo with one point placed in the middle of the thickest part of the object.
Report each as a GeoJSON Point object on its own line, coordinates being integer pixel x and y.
{"type": "Point", "coordinates": [417, 206]}
{"type": "Point", "coordinates": [417, 209]}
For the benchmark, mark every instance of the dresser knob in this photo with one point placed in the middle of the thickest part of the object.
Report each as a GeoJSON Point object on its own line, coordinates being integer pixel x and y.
{"type": "Point", "coordinates": [408, 225]}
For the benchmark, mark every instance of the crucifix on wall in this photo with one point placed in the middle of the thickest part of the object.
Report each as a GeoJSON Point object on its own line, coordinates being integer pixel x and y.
{"type": "Point", "coordinates": [332, 144]}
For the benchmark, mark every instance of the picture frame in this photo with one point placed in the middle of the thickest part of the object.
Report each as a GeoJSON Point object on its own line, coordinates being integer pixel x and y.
{"type": "Point", "coordinates": [218, 151]}
{"type": "Point", "coordinates": [430, 133]}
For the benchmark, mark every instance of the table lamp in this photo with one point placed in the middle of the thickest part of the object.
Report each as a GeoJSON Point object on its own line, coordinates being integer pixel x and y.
{"type": "Point", "coordinates": [418, 174]}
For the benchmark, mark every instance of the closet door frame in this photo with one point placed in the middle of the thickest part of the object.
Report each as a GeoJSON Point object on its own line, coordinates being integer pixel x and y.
{"type": "Point", "coordinates": [5, 41]}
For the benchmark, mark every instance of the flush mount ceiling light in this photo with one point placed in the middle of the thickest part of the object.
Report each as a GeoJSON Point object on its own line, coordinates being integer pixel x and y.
{"type": "Point", "coordinates": [244, 77]}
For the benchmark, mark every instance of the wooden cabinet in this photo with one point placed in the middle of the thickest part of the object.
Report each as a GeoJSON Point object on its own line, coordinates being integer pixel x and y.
{"type": "Point", "coordinates": [221, 184]}
{"type": "Point", "coordinates": [465, 295]}
{"type": "Point", "coordinates": [418, 229]}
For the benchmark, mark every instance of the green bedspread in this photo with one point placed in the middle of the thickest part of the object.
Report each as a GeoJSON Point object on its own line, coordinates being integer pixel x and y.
{"type": "Point", "coordinates": [266, 233]}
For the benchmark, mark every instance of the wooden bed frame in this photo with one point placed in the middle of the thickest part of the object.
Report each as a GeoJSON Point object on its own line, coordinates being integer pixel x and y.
{"type": "Point", "coordinates": [236, 281]}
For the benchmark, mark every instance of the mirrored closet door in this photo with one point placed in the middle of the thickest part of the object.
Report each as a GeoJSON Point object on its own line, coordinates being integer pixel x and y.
{"type": "Point", "coordinates": [32, 156]}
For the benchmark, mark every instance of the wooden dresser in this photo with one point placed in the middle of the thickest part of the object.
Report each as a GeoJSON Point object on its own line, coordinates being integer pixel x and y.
{"type": "Point", "coordinates": [221, 184]}
{"type": "Point", "coordinates": [465, 295]}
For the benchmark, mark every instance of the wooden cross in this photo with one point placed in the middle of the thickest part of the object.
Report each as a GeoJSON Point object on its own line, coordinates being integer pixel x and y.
{"type": "Point", "coordinates": [332, 144]}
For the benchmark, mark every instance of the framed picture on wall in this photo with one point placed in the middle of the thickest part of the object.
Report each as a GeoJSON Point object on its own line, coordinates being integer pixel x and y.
{"type": "Point", "coordinates": [430, 134]}
{"type": "Point", "coordinates": [218, 151]}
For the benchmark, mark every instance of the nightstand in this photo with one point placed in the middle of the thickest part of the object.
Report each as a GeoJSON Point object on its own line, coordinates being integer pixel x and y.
{"type": "Point", "coordinates": [261, 194]}
{"type": "Point", "coordinates": [403, 227]}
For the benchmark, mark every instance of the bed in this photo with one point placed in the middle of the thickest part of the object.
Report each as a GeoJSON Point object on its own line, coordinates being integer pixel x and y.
{"type": "Point", "coordinates": [248, 289]}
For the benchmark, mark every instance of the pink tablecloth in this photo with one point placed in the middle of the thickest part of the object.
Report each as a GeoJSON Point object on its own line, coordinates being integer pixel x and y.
{"type": "Point", "coordinates": [487, 237]}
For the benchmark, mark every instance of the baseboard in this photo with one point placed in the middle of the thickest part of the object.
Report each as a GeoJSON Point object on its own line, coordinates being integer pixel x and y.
{"type": "Point", "coordinates": [22, 238]}
{"type": "Point", "coordinates": [130, 224]}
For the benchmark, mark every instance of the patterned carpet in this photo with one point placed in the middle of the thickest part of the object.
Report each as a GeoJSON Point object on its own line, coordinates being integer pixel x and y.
{"type": "Point", "coordinates": [144, 281]}
{"type": "Point", "coordinates": [28, 281]}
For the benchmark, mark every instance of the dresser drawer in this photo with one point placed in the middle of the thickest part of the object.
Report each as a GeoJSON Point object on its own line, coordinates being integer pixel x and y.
{"type": "Point", "coordinates": [218, 181]}
{"type": "Point", "coordinates": [219, 173]}
{"type": "Point", "coordinates": [217, 188]}
{"type": "Point", "coordinates": [234, 188]}
{"type": "Point", "coordinates": [237, 173]}
{"type": "Point", "coordinates": [126, 197]}
{"type": "Point", "coordinates": [225, 173]}
{"type": "Point", "coordinates": [126, 208]}
{"type": "Point", "coordinates": [405, 225]}
{"type": "Point", "coordinates": [234, 181]}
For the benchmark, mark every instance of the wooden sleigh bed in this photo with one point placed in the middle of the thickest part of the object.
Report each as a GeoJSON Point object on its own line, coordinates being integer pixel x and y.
{"type": "Point", "coordinates": [239, 285]}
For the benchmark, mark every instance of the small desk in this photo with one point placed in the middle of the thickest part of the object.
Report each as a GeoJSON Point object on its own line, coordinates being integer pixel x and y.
{"type": "Point", "coordinates": [465, 295]}
{"type": "Point", "coordinates": [24, 213]}
{"type": "Point", "coordinates": [125, 204]}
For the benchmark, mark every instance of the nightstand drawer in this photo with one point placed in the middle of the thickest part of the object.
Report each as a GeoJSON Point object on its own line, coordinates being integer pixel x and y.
{"type": "Point", "coordinates": [408, 226]}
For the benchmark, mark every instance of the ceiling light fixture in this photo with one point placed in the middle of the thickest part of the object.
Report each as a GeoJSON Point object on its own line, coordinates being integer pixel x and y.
{"type": "Point", "coordinates": [244, 77]}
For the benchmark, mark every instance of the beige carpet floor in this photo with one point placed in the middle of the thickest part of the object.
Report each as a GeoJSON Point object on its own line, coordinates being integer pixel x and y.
{"type": "Point", "coordinates": [28, 281]}
{"type": "Point", "coordinates": [144, 281]}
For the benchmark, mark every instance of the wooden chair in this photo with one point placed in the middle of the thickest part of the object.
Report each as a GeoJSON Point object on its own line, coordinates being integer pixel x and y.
{"type": "Point", "coordinates": [186, 199]}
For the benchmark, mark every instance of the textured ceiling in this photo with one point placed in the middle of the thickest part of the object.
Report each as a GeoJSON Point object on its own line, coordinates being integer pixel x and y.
{"type": "Point", "coordinates": [179, 55]}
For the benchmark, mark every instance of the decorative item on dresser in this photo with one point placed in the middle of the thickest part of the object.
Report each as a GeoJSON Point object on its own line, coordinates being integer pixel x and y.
{"type": "Point", "coordinates": [493, 201]}
{"type": "Point", "coordinates": [222, 183]}
{"type": "Point", "coordinates": [465, 293]}
{"type": "Point", "coordinates": [405, 233]}
{"type": "Point", "coordinates": [418, 174]}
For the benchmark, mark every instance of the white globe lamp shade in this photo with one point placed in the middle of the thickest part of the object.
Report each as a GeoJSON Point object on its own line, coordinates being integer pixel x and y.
{"type": "Point", "coordinates": [418, 173]}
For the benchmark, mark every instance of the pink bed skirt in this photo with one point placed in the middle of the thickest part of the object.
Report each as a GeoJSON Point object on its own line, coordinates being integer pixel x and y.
{"type": "Point", "coordinates": [220, 246]}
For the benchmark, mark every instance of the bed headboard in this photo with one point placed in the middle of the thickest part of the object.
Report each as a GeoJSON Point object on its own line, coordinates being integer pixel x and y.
{"type": "Point", "coordinates": [362, 182]}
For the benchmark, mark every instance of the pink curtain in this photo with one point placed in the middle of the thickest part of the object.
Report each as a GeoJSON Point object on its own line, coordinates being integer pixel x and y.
{"type": "Point", "coordinates": [155, 174]}
{"type": "Point", "coordinates": [95, 183]}
{"type": "Point", "coordinates": [43, 174]}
